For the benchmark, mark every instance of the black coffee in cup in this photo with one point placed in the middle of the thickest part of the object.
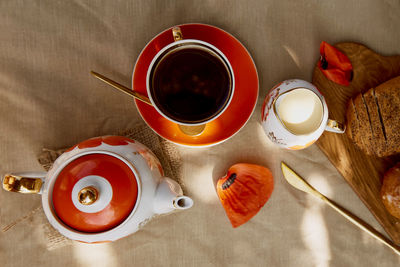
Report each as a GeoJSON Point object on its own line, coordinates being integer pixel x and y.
{"type": "Point", "coordinates": [190, 84]}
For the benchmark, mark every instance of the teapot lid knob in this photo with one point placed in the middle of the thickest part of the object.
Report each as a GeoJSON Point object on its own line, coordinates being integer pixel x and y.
{"type": "Point", "coordinates": [88, 195]}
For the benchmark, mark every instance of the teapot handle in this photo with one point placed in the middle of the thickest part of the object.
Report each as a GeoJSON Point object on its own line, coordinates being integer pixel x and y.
{"type": "Point", "coordinates": [27, 183]}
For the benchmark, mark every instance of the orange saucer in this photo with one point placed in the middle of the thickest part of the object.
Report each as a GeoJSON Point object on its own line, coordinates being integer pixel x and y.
{"type": "Point", "coordinates": [244, 99]}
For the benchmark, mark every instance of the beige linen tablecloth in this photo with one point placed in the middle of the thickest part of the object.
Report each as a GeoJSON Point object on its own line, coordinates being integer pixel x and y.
{"type": "Point", "coordinates": [48, 99]}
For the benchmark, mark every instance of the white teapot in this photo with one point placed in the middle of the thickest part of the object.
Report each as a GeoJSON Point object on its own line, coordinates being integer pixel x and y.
{"type": "Point", "coordinates": [102, 189]}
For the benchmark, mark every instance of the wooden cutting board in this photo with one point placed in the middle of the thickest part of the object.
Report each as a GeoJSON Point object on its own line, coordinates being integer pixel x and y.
{"type": "Point", "coordinates": [362, 172]}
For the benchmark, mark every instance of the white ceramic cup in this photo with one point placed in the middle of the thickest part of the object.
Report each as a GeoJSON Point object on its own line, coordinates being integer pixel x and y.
{"type": "Point", "coordinates": [189, 126]}
{"type": "Point", "coordinates": [294, 115]}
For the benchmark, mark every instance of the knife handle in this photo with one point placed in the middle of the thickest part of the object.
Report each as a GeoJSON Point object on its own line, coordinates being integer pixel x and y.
{"type": "Point", "coordinates": [362, 225]}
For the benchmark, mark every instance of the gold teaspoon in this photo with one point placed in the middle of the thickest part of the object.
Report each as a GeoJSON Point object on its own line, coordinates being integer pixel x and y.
{"type": "Point", "coordinates": [122, 88]}
{"type": "Point", "coordinates": [298, 182]}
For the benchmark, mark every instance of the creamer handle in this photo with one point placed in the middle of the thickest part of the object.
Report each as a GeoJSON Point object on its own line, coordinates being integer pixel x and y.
{"type": "Point", "coordinates": [335, 126]}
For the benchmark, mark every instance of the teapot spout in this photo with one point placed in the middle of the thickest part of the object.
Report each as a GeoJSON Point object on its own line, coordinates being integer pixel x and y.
{"type": "Point", "coordinates": [169, 197]}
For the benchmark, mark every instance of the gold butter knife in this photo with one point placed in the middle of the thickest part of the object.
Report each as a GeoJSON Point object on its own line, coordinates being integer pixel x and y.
{"type": "Point", "coordinates": [295, 180]}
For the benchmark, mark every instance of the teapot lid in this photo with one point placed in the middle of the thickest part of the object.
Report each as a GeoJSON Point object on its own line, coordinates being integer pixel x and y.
{"type": "Point", "coordinates": [95, 192]}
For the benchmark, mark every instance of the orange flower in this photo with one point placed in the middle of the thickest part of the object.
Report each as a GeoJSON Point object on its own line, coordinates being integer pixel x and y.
{"type": "Point", "coordinates": [335, 65]}
{"type": "Point", "coordinates": [244, 190]}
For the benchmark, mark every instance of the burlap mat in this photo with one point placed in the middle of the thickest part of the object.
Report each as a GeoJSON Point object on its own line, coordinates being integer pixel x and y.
{"type": "Point", "coordinates": [165, 151]}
